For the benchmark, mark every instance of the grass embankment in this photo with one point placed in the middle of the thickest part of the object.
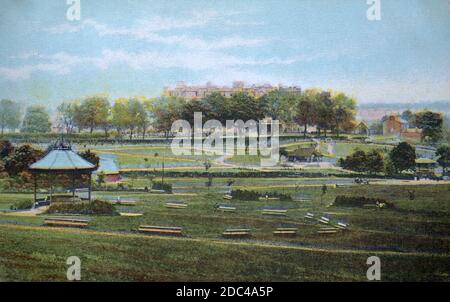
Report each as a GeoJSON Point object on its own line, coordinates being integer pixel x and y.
{"type": "Point", "coordinates": [412, 240]}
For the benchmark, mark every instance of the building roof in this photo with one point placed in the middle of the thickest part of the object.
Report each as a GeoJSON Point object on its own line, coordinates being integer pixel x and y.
{"type": "Point", "coordinates": [62, 159]}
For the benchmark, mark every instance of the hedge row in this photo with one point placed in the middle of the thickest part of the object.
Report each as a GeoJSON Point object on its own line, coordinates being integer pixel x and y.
{"type": "Point", "coordinates": [253, 195]}
{"type": "Point", "coordinates": [96, 207]}
{"type": "Point", "coordinates": [359, 201]}
{"type": "Point", "coordinates": [258, 174]}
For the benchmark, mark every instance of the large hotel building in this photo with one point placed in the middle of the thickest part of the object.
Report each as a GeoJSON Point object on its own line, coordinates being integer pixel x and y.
{"type": "Point", "coordinates": [185, 91]}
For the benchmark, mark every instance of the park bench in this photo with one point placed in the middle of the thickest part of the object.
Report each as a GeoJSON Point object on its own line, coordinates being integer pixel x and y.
{"type": "Point", "coordinates": [227, 196]}
{"type": "Point", "coordinates": [157, 191]}
{"type": "Point", "coordinates": [285, 232]}
{"type": "Point", "coordinates": [236, 233]}
{"type": "Point", "coordinates": [130, 214]}
{"type": "Point", "coordinates": [227, 208]}
{"type": "Point", "coordinates": [66, 222]}
{"type": "Point", "coordinates": [304, 199]}
{"type": "Point", "coordinates": [161, 230]}
{"type": "Point", "coordinates": [309, 216]}
{"type": "Point", "coordinates": [125, 202]}
{"type": "Point", "coordinates": [176, 205]}
{"type": "Point", "coordinates": [327, 230]}
{"type": "Point", "coordinates": [274, 212]}
{"type": "Point", "coordinates": [269, 198]}
{"type": "Point", "coordinates": [342, 225]}
{"type": "Point", "coordinates": [324, 220]}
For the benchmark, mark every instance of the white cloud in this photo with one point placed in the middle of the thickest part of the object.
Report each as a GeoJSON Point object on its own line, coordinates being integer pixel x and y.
{"type": "Point", "coordinates": [151, 30]}
{"type": "Point", "coordinates": [63, 63]}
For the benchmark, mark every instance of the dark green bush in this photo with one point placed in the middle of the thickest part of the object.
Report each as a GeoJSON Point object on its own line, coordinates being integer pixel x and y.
{"type": "Point", "coordinates": [253, 195]}
{"type": "Point", "coordinates": [22, 205]}
{"type": "Point", "coordinates": [158, 185]}
{"type": "Point", "coordinates": [96, 207]}
{"type": "Point", "coordinates": [359, 201]}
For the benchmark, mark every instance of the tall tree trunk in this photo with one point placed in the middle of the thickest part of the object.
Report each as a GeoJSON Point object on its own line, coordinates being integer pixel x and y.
{"type": "Point", "coordinates": [304, 130]}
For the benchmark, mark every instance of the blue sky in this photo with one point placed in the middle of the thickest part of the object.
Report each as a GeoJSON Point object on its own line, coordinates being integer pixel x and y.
{"type": "Point", "coordinates": [129, 48]}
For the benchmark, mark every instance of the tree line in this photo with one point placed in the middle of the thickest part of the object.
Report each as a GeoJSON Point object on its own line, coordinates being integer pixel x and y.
{"type": "Point", "coordinates": [326, 110]}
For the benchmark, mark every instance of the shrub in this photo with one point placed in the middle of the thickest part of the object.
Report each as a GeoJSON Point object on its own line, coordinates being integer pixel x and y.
{"type": "Point", "coordinates": [96, 207]}
{"type": "Point", "coordinates": [253, 195]}
{"type": "Point", "coordinates": [22, 205]}
{"type": "Point", "coordinates": [359, 201]}
{"type": "Point", "coordinates": [158, 185]}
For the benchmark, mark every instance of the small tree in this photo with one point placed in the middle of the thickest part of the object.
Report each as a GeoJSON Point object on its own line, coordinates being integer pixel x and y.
{"type": "Point", "coordinates": [355, 161]}
{"type": "Point", "coordinates": [6, 149]}
{"type": "Point", "coordinates": [9, 115]}
{"type": "Point", "coordinates": [374, 161]}
{"type": "Point", "coordinates": [36, 120]}
{"type": "Point", "coordinates": [21, 159]}
{"type": "Point", "coordinates": [403, 157]}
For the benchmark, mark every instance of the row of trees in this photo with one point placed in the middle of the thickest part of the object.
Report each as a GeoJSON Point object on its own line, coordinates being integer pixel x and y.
{"type": "Point", "coordinates": [36, 119]}
{"type": "Point", "coordinates": [401, 158]}
{"type": "Point", "coordinates": [328, 111]}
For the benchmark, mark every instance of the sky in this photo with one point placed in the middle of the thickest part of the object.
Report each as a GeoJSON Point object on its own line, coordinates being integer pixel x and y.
{"type": "Point", "coordinates": [134, 48]}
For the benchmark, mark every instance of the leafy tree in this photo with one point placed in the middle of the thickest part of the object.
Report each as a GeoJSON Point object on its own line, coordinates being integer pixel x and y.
{"type": "Point", "coordinates": [408, 116]}
{"type": "Point", "coordinates": [403, 157]}
{"type": "Point", "coordinates": [139, 116]}
{"type": "Point", "coordinates": [344, 110]}
{"type": "Point", "coordinates": [21, 159]}
{"type": "Point", "coordinates": [431, 124]}
{"type": "Point", "coordinates": [279, 105]}
{"type": "Point", "coordinates": [306, 110]}
{"type": "Point", "coordinates": [90, 157]}
{"type": "Point", "coordinates": [324, 111]}
{"type": "Point", "coordinates": [374, 161]}
{"type": "Point", "coordinates": [214, 106]}
{"type": "Point", "coordinates": [443, 153]}
{"type": "Point", "coordinates": [9, 115]}
{"type": "Point", "coordinates": [121, 117]}
{"type": "Point", "coordinates": [68, 115]}
{"type": "Point", "coordinates": [36, 120]}
{"type": "Point", "coordinates": [6, 149]}
{"type": "Point", "coordinates": [166, 110]}
{"type": "Point", "coordinates": [355, 161]}
{"type": "Point", "coordinates": [94, 112]}
{"type": "Point", "coordinates": [245, 107]}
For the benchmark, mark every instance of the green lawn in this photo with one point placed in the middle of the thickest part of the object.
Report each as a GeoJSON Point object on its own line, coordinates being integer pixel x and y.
{"type": "Point", "coordinates": [413, 240]}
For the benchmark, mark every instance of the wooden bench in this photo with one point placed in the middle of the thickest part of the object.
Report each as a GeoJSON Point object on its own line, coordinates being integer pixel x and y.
{"type": "Point", "coordinates": [327, 231]}
{"type": "Point", "coordinates": [227, 196]}
{"type": "Point", "coordinates": [304, 199]}
{"type": "Point", "coordinates": [274, 212]}
{"type": "Point", "coordinates": [157, 191]}
{"type": "Point", "coordinates": [227, 208]}
{"type": "Point", "coordinates": [130, 214]}
{"type": "Point", "coordinates": [309, 216]}
{"type": "Point", "coordinates": [236, 233]}
{"type": "Point", "coordinates": [269, 198]}
{"type": "Point", "coordinates": [123, 202]}
{"type": "Point", "coordinates": [66, 222]}
{"type": "Point", "coordinates": [342, 226]}
{"type": "Point", "coordinates": [288, 232]}
{"type": "Point", "coordinates": [161, 230]}
{"type": "Point", "coordinates": [324, 220]}
{"type": "Point", "coordinates": [176, 205]}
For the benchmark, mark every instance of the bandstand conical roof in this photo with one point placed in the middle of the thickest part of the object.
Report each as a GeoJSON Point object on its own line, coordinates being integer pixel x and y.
{"type": "Point", "coordinates": [62, 158]}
